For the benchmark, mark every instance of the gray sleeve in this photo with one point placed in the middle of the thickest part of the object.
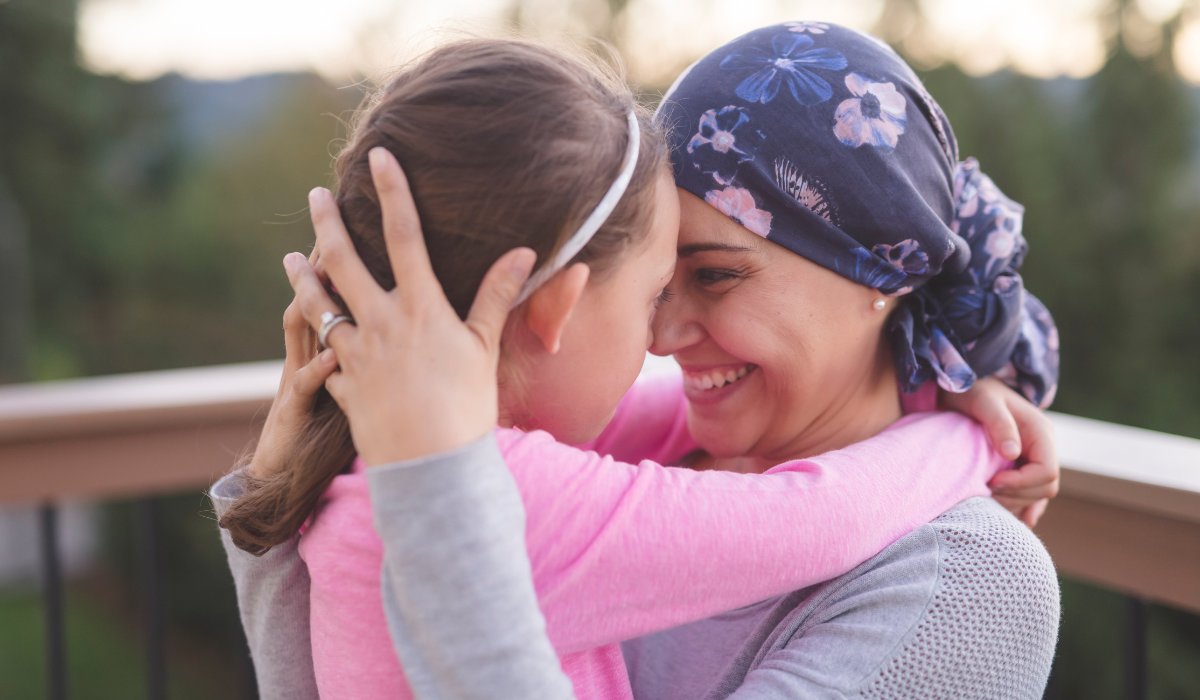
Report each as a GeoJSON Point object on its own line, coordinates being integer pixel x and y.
{"type": "Point", "coordinates": [273, 600]}
{"type": "Point", "coordinates": [457, 585]}
{"type": "Point", "coordinates": [966, 608]}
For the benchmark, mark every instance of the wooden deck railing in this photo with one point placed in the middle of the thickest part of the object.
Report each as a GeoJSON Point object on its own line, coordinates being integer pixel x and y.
{"type": "Point", "coordinates": [1127, 518]}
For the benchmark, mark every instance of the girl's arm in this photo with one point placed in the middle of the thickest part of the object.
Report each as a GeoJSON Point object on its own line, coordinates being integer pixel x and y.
{"type": "Point", "coordinates": [273, 600]}
{"type": "Point", "coordinates": [620, 550]}
{"type": "Point", "coordinates": [649, 423]}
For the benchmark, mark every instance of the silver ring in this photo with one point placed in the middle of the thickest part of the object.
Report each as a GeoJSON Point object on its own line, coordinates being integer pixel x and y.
{"type": "Point", "coordinates": [328, 322]}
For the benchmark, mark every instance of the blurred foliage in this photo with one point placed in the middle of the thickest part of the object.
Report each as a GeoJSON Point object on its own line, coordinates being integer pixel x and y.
{"type": "Point", "coordinates": [157, 212]}
{"type": "Point", "coordinates": [153, 217]}
{"type": "Point", "coordinates": [1087, 662]}
{"type": "Point", "coordinates": [200, 600]}
{"type": "Point", "coordinates": [142, 225]}
{"type": "Point", "coordinates": [105, 657]}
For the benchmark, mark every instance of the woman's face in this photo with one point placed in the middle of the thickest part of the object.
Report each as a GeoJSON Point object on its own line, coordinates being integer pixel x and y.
{"type": "Point", "coordinates": [572, 394]}
{"type": "Point", "coordinates": [781, 357]}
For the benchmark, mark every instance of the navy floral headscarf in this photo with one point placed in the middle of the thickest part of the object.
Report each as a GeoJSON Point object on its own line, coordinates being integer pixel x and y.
{"type": "Point", "coordinates": [823, 140]}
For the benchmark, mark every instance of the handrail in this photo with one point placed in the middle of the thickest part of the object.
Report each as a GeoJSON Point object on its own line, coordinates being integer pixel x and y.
{"type": "Point", "coordinates": [135, 402]}
{"type": "Point", "coordinates": [1128, 513]}
{"type": "Point", "coordinates": [130, 435]}
{"type": "Point", "coordinates": [1128, 516]}
{"type": "Point", "coordinates": [1132, 468]}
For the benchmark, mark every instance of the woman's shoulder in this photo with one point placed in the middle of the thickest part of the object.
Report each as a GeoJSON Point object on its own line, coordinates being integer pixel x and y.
{"type": "Point", "coordinates": [985, 553]}
{"type": "Point", "coordinates": [984, 550]}
{"type": "Point", "coordinates": [976, 551]}
{"type": "Point", "coordinates": [966, 606]}
{"type": "Point", "coordinates": [971, 599]}
{"type": "Point", "coordinates": [992, 614]}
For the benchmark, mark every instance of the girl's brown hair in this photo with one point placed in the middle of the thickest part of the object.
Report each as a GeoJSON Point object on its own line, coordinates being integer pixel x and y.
{"type": "Point", "coordinates": [505, 143]}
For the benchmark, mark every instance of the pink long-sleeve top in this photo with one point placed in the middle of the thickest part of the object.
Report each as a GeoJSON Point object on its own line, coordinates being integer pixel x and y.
{"type": "Point", "coordinates": [622, 546]}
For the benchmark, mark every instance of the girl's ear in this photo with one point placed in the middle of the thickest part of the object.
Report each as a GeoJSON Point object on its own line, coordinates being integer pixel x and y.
{"type": "Point", "coordinates": [550, 307]}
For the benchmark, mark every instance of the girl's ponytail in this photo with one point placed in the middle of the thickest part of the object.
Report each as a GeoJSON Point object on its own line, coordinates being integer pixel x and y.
{"type": "Point", "coordinates": [270, 511]}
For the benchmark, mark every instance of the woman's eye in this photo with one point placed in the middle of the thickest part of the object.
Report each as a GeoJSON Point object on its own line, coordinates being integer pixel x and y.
{"type": "Point", "coordinates": [708, 277]}
{"type": "Point", "coordinates": [663, 297]}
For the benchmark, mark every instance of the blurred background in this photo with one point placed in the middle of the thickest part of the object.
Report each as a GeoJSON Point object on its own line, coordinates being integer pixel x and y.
{"type": "Point", "coordinates": [154, 161]}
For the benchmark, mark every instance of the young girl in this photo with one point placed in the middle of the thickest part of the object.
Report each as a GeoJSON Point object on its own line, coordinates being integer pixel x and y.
{"type": "Point", "coordinates": [494, 135]}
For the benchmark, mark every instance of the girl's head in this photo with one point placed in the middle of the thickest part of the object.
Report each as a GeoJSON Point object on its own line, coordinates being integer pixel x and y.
{"type": "Point", "coordinates": [820, 178]}
{"type": "Point", "coordinates": [505, 144]}
{"type": "Point", "coordinates": [510, 144]}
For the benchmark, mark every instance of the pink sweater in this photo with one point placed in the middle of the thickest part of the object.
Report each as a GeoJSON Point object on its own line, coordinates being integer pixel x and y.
{"type": "Point", "coordinates": [621, 548]}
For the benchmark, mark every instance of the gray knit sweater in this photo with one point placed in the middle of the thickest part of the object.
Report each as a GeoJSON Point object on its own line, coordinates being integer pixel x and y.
{"type": "Point", "coordinates": [965, 607]}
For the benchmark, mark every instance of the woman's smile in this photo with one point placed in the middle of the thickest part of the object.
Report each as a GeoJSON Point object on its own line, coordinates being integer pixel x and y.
{"type": "Point", "coordinates": [708, 384]}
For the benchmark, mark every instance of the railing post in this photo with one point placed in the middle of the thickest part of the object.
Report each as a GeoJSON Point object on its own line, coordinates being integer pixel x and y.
{"type": "Point", "coordinates": [1135, 648]}
{"type": "Point", "coordinates": [52, 605]}
{"type": "Point", "coordinates": [150, 564]}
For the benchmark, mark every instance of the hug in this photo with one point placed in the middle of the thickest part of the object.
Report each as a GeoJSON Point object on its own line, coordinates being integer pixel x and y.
{"type": "Point", "coordinates": [465, 490]}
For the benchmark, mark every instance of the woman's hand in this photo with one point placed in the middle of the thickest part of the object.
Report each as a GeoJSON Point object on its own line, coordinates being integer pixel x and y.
{"type": "Point", "coordinates": [304, 372]}
{"type": "Point", "coordinates": [1021, 432]}
{"type": "Point", "coordinates": [414, 379]}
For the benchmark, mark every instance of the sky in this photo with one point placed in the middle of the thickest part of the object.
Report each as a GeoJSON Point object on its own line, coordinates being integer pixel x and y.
{"type": "Point", "coordinates": [347, 39]}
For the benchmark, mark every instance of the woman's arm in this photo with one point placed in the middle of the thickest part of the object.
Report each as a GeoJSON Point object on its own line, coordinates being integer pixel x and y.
{"type": "Point", "coordinates": [457, 589]}
{"type": "Point", "coordinates": [272, 593]}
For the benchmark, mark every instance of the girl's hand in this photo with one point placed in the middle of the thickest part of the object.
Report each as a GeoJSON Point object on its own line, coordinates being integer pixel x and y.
{"type": "Point", "coordinates": [1020, 432]}
{"type": "Point", "coordinates": [414, 379]}
{"type": "Point", "coordinates": [304, 373]}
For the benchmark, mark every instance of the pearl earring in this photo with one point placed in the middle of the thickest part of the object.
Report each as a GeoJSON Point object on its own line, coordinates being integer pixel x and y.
{"type": "Point", "coordinates": [879, 304]}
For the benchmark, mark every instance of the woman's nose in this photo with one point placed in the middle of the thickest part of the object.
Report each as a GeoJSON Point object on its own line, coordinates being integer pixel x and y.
{"type": "Point", "coordinates": [675, 327]}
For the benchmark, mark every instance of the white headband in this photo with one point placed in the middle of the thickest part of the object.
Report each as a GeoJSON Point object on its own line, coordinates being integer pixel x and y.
{"type": "Point", "coordinates": [598, 216]}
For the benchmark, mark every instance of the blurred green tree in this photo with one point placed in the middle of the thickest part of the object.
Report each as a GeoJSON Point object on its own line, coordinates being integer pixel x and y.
{"type": "Point", "coordinates": [48, 134]}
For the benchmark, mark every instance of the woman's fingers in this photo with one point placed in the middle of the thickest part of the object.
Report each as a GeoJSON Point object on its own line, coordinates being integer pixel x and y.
{"type": "Point", "coordinates": [312, 299]}
{"type": "Point", "coordinates": [299, 339]}
{"type": "Point", "coordinates": [310, 378]}
{"type": "Point", "coordinates": [402, 228]}
{"type": "Point", "coordinates": [499, 289]}
{"type": "Point", "coordinates": [338, 257]}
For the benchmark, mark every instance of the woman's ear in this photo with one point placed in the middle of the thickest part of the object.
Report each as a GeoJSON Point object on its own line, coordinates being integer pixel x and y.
{"type": "Point", "coordinates": [551, 306]}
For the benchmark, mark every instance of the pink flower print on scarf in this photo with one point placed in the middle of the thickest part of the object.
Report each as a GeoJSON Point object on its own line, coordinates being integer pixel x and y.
{"type": "Point", "coordinates": [905, 256]}
{"type": "Point", "coordinates": [738, 204]}
{"type": "Point", "coordinates": [874, 116]}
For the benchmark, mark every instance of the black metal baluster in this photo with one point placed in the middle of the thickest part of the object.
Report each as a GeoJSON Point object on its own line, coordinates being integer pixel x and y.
{"type": "Point", "coordinates": [156, 666]}
{"type": "Point", "coordinates": [52, 604]}
{"type": "Point", "coordinates": [1135, 648]}
{"type": "Point", "coordinates": [1052, 691]}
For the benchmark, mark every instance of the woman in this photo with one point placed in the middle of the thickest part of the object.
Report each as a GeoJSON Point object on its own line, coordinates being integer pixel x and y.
{"type": "Point", "coordinates": [745, 375]}
{"type": "Point", "coordinates": [882, 630]}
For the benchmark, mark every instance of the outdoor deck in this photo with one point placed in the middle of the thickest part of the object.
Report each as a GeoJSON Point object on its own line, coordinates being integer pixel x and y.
{"type": "Point", "coordinates": [1127, 518]}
